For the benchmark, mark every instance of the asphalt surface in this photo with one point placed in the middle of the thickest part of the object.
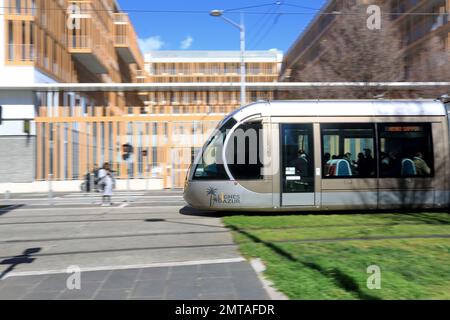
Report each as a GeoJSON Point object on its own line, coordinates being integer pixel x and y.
{"type": "Point", "coordinates": [148, 245]}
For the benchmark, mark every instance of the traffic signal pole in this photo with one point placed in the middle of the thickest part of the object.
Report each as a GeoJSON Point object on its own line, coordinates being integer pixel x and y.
{"type": "Point", "coordinates": [127, 151]}
{"type": "Point", "coordinates": [128, 182]}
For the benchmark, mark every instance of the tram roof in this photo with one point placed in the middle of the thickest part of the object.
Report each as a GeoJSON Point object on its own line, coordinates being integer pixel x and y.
{"type": "Point", "coordinates": [343, 108]}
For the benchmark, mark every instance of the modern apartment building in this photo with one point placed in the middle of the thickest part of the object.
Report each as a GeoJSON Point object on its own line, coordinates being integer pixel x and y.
{"type": "Point", "coordinates": [204, 68]}
{"type": "Point", "coordinates": [59, 41]}
{"type": "Point", "coordinates": [414, 26]}
{"type": "Point", "coordinates": [208, 67]}
{"type": "Point", "coordinates": [62, 134]}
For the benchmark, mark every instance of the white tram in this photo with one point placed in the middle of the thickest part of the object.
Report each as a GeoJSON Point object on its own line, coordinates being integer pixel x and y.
{"type": "Point", "coordinates": [325, 155]}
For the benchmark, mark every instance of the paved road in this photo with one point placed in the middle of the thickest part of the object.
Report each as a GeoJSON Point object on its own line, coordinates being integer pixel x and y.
{"type": "Point", "coordinates": [151, 248]}
{"type": "Point", "coordinates": [133, 198]}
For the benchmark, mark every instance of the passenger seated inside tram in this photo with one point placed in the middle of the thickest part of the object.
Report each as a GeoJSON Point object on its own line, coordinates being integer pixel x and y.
{"type": "Point", "coordinates": [326, 162]}
{"type": "Point", "coordinates": [392, 165]}
{"type": "Point", "coordinates": [360, 162]}
{"type": "Point", "coordinates": [349, 158]}
{"type": "Point", "coordinates": [366, 164]}
{"type": "Point", "coordinates": [326, 158]}
{"type": "Point", "coordinates": [422, 168]}
{"type": "Point", "coordinates": [301, 164]}
{"type": "Point", "coordinates": [385, 161]}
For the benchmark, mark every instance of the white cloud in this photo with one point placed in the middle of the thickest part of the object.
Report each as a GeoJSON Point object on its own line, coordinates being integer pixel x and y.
{"type": "Point", "coordinates": [186, 43]}
{"type": "Point", "coordinates": [151, 43]}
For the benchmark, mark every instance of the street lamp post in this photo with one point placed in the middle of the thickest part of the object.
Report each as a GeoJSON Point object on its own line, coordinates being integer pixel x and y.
{"type": "Point", "coordinates": [241, 27]}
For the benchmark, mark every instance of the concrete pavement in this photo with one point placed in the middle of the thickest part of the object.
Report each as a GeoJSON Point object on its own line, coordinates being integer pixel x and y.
{"type": "Point", "coordinates": [143, 249]}
{"type": "Point", "coordinates": [224, 281]}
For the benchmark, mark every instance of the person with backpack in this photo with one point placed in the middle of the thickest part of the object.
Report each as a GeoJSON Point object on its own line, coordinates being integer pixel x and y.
{"type": "Point", "coordinates": [107, 184]}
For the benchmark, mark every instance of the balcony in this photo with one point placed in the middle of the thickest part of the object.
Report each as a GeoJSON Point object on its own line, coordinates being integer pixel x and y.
{"type": "Point", "coordinates": [141, 76]}
{"type": "Point", "coordinates": [86, 43]}
{"type": "Point", "coordinates": [125, 40]}
{"type": "Point", "coordinates": [20, 53]}
{"type": "Point", "coordinates": [22, 8]}
{"type": "Point", "coordinates": [89, 54]}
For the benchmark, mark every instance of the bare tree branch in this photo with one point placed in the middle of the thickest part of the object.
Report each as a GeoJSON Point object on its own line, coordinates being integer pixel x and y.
{"type": "Point", "coordinates": [350, 51]}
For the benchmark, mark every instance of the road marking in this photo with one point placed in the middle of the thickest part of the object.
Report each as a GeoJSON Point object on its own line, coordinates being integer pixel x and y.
{"type": "Point", "coordinates": [123, 205]}
{"type": "Point", "coordinates": [97, 202]}
{"type": "Point", "coordinates": [127, 267]}
{"type": "Point", "coordinates": [97, 197]}
{"type": "Point", "coordinates": [85, 208]}
{"type": "Point", "coordinates": [101, 194]}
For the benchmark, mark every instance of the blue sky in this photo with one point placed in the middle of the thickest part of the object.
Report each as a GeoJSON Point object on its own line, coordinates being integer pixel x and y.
{"type": "Point", "coordinates": [176, 31]}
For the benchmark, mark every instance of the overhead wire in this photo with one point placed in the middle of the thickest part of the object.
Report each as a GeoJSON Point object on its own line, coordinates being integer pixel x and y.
{"type": "Point", "coordinates": [144, 11]}
{"type": "Point", "coordinates": [251, 7]}
{"type": "Point", "coordinates": [299, 6]}
{"type": "Point", "coordinates": [268, 30]}
{"type": "Point", "coordinates": [270, 27]}
{"type": "Point", "coordinates": [262, 26]}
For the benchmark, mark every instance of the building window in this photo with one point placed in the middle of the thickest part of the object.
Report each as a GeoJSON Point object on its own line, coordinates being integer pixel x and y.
{"type": "Point", "coordinates": [348, 150]}
{"type": "Point", "coordinates": [10, 40]}
{"type": "Point", "coordinates": [31, 41]}
{"type": "Point", "coordinates": [154, 156]}
{"type": "Point", "coordinates": [406, 150]}
{"type": "Point", "coordinates": [212, 97]}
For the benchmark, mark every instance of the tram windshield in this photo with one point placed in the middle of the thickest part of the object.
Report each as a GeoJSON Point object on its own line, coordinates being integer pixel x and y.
{"type": "Point", "coordinates": [210, 164]}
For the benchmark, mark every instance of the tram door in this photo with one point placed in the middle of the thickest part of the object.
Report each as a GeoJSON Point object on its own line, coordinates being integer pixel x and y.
{"type": "Point", "coordinates": [297, 165]}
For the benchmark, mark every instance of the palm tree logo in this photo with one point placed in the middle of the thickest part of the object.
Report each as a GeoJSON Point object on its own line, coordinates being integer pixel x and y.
{"type": "Point", "coordinates": [211, 192]}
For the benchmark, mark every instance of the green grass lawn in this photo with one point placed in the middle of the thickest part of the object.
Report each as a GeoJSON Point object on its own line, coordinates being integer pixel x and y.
{"type": "Point", "coordinates": [327, 256]}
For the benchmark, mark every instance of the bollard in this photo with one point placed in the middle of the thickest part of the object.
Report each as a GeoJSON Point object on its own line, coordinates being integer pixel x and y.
{"type": "Point", "coordinates": [50, 189]}
{"type": "Point", "coordinates": [172, 170]}
{"type": "Point", "coordinates": [128, 189]}
{"type": "Point", "coordinates": [92, 187]}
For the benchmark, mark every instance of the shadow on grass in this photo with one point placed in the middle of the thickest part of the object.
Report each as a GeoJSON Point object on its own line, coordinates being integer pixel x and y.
{"type": "Point", "coordinates": [397, 216]}
{"type": "Point", "coordinates": [343, 280]}
{"type": "Point", "coordinates": [427, 218]}
{"type": "Point", "coordinates": [417, 213]}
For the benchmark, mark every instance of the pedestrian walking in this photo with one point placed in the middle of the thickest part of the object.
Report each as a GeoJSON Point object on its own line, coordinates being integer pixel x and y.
{"type": "Point", "coordinates": [107, 182]}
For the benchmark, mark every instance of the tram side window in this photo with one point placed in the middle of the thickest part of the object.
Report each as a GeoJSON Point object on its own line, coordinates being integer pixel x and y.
{"type": "Point", "coordinates": [406, 150]}
{"type": "Point", "coordinates": [348, 151]}
{"type": "Point", "coordinates": [243, 152]}
{"type": "Point", "coordinates": [210, 165]}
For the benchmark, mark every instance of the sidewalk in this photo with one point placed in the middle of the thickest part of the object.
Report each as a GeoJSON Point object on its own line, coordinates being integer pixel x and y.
{"type": "Point", "coordinates": [74, 186]}
{"type": "Point", "coordinates": [151, 249]}
{"type": "Point", "coordinates": [227, 281]}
